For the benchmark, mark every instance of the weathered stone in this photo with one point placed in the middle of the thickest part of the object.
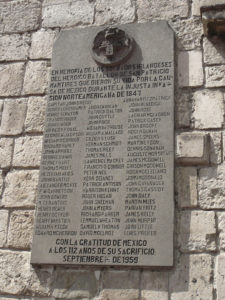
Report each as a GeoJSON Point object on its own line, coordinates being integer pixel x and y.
{"type": "Point", "coordinates": [197, 4]}
{"type": "Point", "coordinates": [186, 186]}
{"type": "Point", "coordinates": [183, 109]}
{"type": "Point", "coordinates": [197, 231]}
{"type": "Point", "coordinates": [115, 294]}
{"type": "Point", "coordinates": [154, 285]}
{"type": "Point", "coordinates": [213, 50]}
{"type": "Point", "coordinates": [188, 33]}
{"type": "Point", "coordinates": [212, 187]}
{"type": "Point", "coordinates": [35, 114]}
{"type": "Point", "coordinates": [42, 42]}
{"type": "Point", "coordinates": [27, 152]}
{"type": "Point", "coordinates": [114, 11]}
{"type": "Point", "coordinates": [14, 47]}
{"type": "Point", "coordinates": [20, 229]}
{"type": "Point", "coordinates": [36, 77]}
{"type": "Point", "coordinates": [3, 226]}
{"type": "Point", "coordinates": [13, 116]}
{"type": "Point", "coordinates": [190, 72]}
{"type": "Point", "coordinates": [70, 284]}
{"type": "Point", "coordinates": [153, 9]}
{"type": "Point", "coordinates": [11, 79]}
{"type": "Point", "coordinates": [62, 14]}
{"type": "Point", "coordinates": [215, 76]}
{"type": "Point", "coordinates": [208, 109]}
{"type": "Point", "coordinates": [6, 147]}
{"type": "Point", "coordinates": [121, 279]}
{"type": "Point", "coordinates": [191, 279]}
{"type": "Point", "coordinates": [192, 148]}
{"type": "Point", "coordinates": [20, 15]}
{"type": "Point", "coordinates": [220, 275]}
{"type": "Point", "coordinates": [1, 184]}
{"type": "Point", "coordinates": [20, 189]}
{"type": "Point", "coordinates": [221, 227]}
{"type": "Point", "coordinates": [18, 277]}
{"type": "Point", "coordinates": [215, 147]}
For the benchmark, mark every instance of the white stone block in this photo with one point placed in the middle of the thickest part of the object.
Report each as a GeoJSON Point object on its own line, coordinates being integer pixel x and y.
{"type": "Point", "coordinates": [215, 76]}
{"type": "Point", "coordinates": [13, 116]}
{"type": "Point", "coordinates": [192, 148]}
{"type": "Point", "coordinates": [208, 109]}
{"type": "Point", "coordinates": [197, 4]}
{"type": "Point", "coordinates": [27, 151]}
{"type": "Point", "coordinates": [213, 50]}
{"type": "Point", "coordinates": [154, 285]}
{"type": "Point", "coordinates": [190, 71]}
{"type": "Point", "coordinates": [221, 227]}
{"type": "Point", "coordinates": [20, 189]}
{"type": "Point", "coordinates": [197, 231]}
{"type": "Point", "coordinates": [6, 147]}
{"type": "Point", "coordinates": [11, 79]}
{"type": "Point", "coordinates": [215, 147]}
{"type": "Point", "coordinates": [3, 226]}
{"type": "Point", "coordinates": [14, 47]}
{"type": "Point", "coordinates": [220, 275]}
{"type": "Point", "coordinates": [35, 114]}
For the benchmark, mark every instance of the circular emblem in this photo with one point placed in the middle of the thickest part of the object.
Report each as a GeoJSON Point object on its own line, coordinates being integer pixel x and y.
{"type": "Point", "coordinates": [111, 46]}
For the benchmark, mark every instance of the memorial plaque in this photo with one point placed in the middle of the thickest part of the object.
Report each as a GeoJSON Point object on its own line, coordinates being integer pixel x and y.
{"type": "Point", "coordinates": [106, 179]}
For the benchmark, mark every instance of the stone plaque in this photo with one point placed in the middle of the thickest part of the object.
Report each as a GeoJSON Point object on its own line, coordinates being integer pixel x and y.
{"type": "Point", "coordinates": [106, 179]}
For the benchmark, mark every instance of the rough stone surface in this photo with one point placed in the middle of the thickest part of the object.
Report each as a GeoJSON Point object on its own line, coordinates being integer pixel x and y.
{"type": "Point", "coordinates": [3, 226]}
{"type": "Point", "coordinates": [215, 147]}
{"type": "Point", "coordinates": [6, 147]}
{"type": "Point", "coordinates": [121, 279]}
{"type": "Point", "coordinates": [66, 13]}
{"type": "Point", "coordinates": [208, 109]}
{"type": "Point", "coordinates": [190, 73]}
{"type": "Point", "coordinates": [183, 109]}
{"type": "Point", "coordinates": [147, 10]}
{"type": "Point", "coordinates": [186, 186]}
{"type": "Point", "coordinates": [213, 50]}
{"type": "Point", "coordinates": [215, 76]}
{"type": "Point", "coordinates": [20, 15]}
{"type": "Point", "coordinates": [191, 279]}
{"type": "Point", "coordinates": [36, 77]}
{"type": "Point", "coordinates": [188, 33]}
{"type": "Point", "coordinates": [115, 294]}
{"type": "Point", "coordinates": [20, 229]}
{"type": "Point", "coordinates": [197, 231]}
{"type": "Point", "coordinates": [42, 42]}
{"type": "Point", "coordinates": [212, 187]}
{"type": "Point", "coordinates": [11, 79]}
{"type": "Point", "coordinates": [114, 11]}
{"type": "Point", "coordinates": [221, 227]}
{"type": "Point", "coordinates": [220, 274]}
{"type": "Point", "coordinates": [27, 152]}
{"type": "Point", "coordinates": [35, 114]}
{"type": "Point", "coordinates": [14, 47]}
{"type": "Point", "coordinates": [20, 189]}
{"type": "Point", "coordinates": [192, 148]}
{"type": "Point", "coordinates": [154, 285]}
{"type": "Point", "coordinates": [74, 284]}
{"type": "Point", "coordinates": [197, 4]}
{"type": "Point", "coordinates": [13, 116]}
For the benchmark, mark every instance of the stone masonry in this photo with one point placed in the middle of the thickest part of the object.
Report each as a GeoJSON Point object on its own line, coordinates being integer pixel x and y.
{"type": "Point", "coordinates": [28, 29]}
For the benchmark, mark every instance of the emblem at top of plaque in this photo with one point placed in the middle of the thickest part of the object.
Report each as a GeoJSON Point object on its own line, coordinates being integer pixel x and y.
{"type": "Point", "coordinates": [111, 46]}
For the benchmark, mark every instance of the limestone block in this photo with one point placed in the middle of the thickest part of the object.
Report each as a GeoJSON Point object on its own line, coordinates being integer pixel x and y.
{"type": "Point", "coordinates": [11, 79]}
{"type": "Point", "coordinates": [186, 186]}
{"type": "Point", "coordinates": [183, 109]}
{"type": "Point", "coordinates": [3, 226]}
{"type": "Point", "coordinates": [197, 231]}
{"type": "Point", "coordinates": [188, 33]}
{"type": "Point", "coordinates": [121, 279]}
{"type": "Point", "coordinates": [1, 183]}
{"type": "Point", "coordinates": [20, 229]}
{"type": "Point", "coordinates": [20, 188]}
{"type": "Point", "coordinates": [197, 4]}
{"type": "Point", "coordinates": [42, 42]}
{"type": "Point", "coordinates": [13, 116]}
{"type": "Point", "coordinates": [153, 9]}
{"type": "Point", "coordinates": [20, 15]}
{"type": "Point", "coordinates": [215, 147]}
{"type": "Point", "coordinates": [192, 148]}
{"type": "Point", "coordinates": [35, 114]}
{"type": "Point", "coordinates": [6, 148]}
{"type": "Point", "coordinates": [215, 76]}
{"type": "Point", "coordinates": [191, 278]}
{"type": "Point", "coordinates": [14, 47]}
{"type": "Point", "coordinates": [212, 187]}
{"type": "Point", "coordinates": [190, 71]}
{"type": "Point", "coordinates": [221, 226]}
{"type": "Point", "coordinates": [27, 152]}
{"type": "Point", "coordinates": [36, 77]}
{"type": "Point", "coordinates": [114, 11]}
{"type": "Point", "coordinates": [57, 13]}
{"type": "Point", "coordinates": [208, 109]}
{"type": "Point", "coordinates": [220, 275]}
{"type": "Point", "coordinates": [18, 277]}
{"type": "Point", "coordinates": [1, 109]}
{"type": "Point", "coordinates": [214, 50]}
{"type": "Point", "coordinates": [115, 294]}
{"type": "Point", "coordinates": [70, 284]}
{"type": "Point", "coordinates": [154, 285]}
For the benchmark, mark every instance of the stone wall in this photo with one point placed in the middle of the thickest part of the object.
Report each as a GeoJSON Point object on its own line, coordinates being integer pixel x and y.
{"type": "Point", "coordinates": [27, 31]}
